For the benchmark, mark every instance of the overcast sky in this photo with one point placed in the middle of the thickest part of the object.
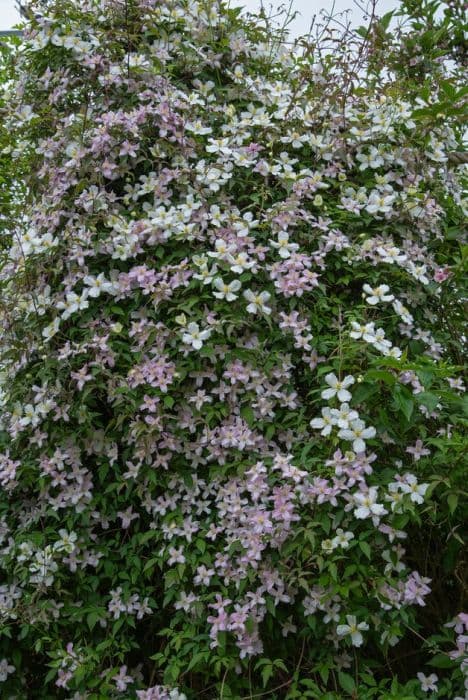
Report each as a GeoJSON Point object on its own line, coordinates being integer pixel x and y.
{"type": "Point", "coordinates": [307, 8]}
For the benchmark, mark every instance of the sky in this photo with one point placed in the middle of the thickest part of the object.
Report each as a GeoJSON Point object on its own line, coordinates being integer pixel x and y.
{"type": "Point", "coordinates": [9, 15]}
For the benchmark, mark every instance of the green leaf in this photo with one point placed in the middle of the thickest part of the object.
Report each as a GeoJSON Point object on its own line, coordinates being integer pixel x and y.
{"type": "Point", "coordinates": [427, 399]}
{"type": "Point", "coordinates": [364, 391]}
{"type": "Point", "coordinates": [364, 547]}
{"type": "Point", "coordinates": [452, 501]}
{"type": "Point", "coordinates": [248, 415]}
{"type": "Point", "coordinates": [404, 401]}
{"type": "Point", "coordinates": [267, 672]}
{"type": "Point", "coordinates": [381, 375]}
{"type": "Point", "coordinates": [441, 661]}
{"type": "Point", "coordinates": [347, 682]}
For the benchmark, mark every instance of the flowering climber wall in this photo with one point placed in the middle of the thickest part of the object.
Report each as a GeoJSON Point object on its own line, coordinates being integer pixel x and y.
{"type": "Point", "coordinates": [230, 396]}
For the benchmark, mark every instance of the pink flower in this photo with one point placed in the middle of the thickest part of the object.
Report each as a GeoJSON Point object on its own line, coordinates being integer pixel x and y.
{"type": "Point", "coordinates": [418, 450]}
{"type": "Point", "coordinates": [122, 679]}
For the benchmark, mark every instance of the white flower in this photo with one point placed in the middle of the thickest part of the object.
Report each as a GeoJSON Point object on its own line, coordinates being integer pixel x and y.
{"type": "Point", "coordinates": [342, 539]}
{"type": "Point", "coordinates": [244, 226]}
{"type": "Point", "coordinates": [393, 352]}
{"type": "Point", "coordinates": [377, 294]}
{"type": "Point", "coordinates": [428, 683]}
{"type": "Point", "coordinates": [97, 285]}
{"type": "Point", "coordinates": [353, 628]}
{"type": "Point", "coordinates": [66, 543]}
{"type": "Point", "coordinates": [395, 497]}
{"type": "Point", "coordinates": [198, 128]}
{"type": "Point", "coordinates": [203, 576]}
{"type": "Point", "coordinates": [366, 502]}
{"type": "Point", "coordinates": [379, 203]}
{"type": "Point", "coordinates": [343, 415]}
{"type": "Point", "coordinates": [221, 249]}
{"type": "Point", "coordinates": [337, 388]}
{"type": "Point", "coordinates": [323, 424]}
{"type": "Point", "coordinates": [391, 254]}
{"type": "Point", "coordinates": [416, 491]}
{"type": "Point", "coordinates": [403, 312]}
{"type": "Point", "coordinates": [365, 331]}
{"type": "Point", "coordinates": [136, 60]}
{"type": "Point", "coordinates": [73, 302]}
{"type": "Point", "coordinates": [30, 416]}
{"type": "Point", "coordinates": [456, 383]}
{"type": "Point", "coordinates": [194, 336]}
{"type": "Point", "coordinates": [205, 275]}
{"type": "Point", "coordinates": [257, 302]}
{"type": "Point", "coordinates": [285, 248]}
{"type": "Point", "coordinates": [226, 291]}
{"type": "Point", "coordinates": [5, 670]}
{"type": "Point", "coordinates": [49, 331]}
{"type": "Point", "coordinates": [418, 272]}
{"type": "Point", "coordinates": [219, 146]}
{"type": "Point", "coordinates": [185, 601]}
{"type": "Point", "coordinates": [380, 341]}
{"type": "Point", "coordinates": [176, 556]}
{"type": "Point", "coordinates": [356, 433]}
{"type": "Point", "coordinates": [240, 262]}
{"type": "Point", "coordinates": [371, 160]}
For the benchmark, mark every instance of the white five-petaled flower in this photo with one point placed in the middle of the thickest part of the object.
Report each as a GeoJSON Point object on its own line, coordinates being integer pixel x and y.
{"type": "Point", "coordinates": [222, 249]}
{"type": "Point", "coordinates": [377, 294]}
{"type": "Point", "coordinates": [285, 248]}
{"type": "Point", "coordinates": [353, 628]}
{"type": "Point", "coordinates": [380, 342]}
{"type": "Point", "coordinates": [391, 254]}
{"type": "Point", "coordinates": [418, 271]}
{"type": "Point", "coordinates": [176, 556]}
{"type": "Point", "coordinates": [97, 285]}
{"type": "Point", "coordinates": [30, 416]}
{"type": "Point", "coordinates": [73, 302]}
{"type": "Point", "coordinates": [343, 415]}
{"type": "Point", "coordinates": [379, 203]}
{"type": "Point", "coordinates": [67, 541]}
{"type": "Point", "coordinates": [206, 275]}
{"type": "Point", "coordinates": [240, 262]}
{"type": "Point", "coordinates": [337, 387]}
{"type": "Point", "coordinates": [415, 490]}
{"type": "Point", "coordinates": [194, 336]}
{"type": "Point", "coordinates": [323, 424]}
{"type": "Point", "coordinates": [357, 433]}
{"type": "Point", "coordinates": [257, 302]}
{"type": "Point", "coordinates": [373, 159]}
{"type": "Point", "coordinates": [226, 291]}
{"type": "Point", "coordinates": [366, 504]}
{"type": "Point", "coordinates": [342, 539]}
{"type": "Point", "coordinates": [365, 331]}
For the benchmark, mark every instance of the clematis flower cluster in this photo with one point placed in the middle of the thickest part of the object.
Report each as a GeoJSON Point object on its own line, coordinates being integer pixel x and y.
{"type": "Point", "coordinates": [202, 455]}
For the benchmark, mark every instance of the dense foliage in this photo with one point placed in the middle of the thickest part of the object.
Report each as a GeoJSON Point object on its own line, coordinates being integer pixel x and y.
{"type": "Point", "coordinates": [231, 401]}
